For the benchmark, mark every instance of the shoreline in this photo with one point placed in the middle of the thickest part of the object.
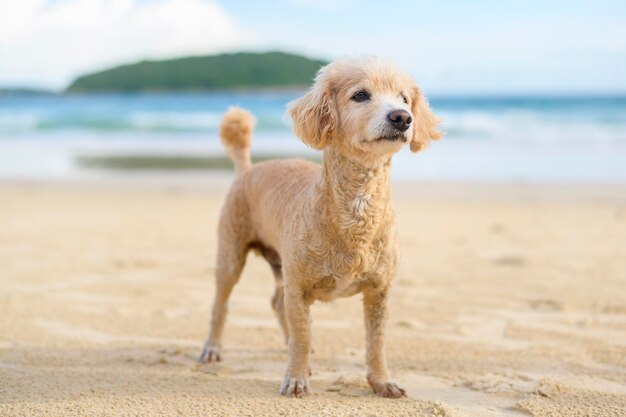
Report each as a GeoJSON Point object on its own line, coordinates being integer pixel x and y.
{"type": "Point", "coordinates": [412, 190]}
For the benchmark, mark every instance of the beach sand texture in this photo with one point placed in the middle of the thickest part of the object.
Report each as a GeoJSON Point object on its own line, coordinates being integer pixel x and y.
{"type": "Point", "coordinates": [508, 306]}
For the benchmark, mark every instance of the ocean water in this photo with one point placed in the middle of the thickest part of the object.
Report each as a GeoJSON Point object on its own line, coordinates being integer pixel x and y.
{"type": "Point", "coordinates": [531, 139]}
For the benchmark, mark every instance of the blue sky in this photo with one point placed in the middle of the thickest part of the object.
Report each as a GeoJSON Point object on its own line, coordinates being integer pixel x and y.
{"type": "Point", "coordinates": [451, 47]}
{"type": "Point", "coordinates": [473, 46]}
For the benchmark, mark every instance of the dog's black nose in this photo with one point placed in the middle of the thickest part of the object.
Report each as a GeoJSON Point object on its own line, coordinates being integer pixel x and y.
{"type": "Point", "coordinates": [400, 119]}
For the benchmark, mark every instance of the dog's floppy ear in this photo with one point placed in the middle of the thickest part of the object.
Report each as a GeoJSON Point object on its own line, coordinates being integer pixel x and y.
{"type": "Point", "coordinates": [314, 115]}
{"type": "Point", "coordinates": [425, 125]}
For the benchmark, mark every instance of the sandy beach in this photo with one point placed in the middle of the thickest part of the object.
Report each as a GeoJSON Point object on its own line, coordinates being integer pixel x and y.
{"type": "Point", "coordinates": [510, 301]}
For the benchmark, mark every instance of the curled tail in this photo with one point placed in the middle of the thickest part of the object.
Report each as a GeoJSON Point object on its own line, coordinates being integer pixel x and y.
{"type": "Point", "coordinates": [236, 133]}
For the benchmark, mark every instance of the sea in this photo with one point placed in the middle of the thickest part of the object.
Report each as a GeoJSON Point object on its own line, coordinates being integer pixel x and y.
{"type": "Point", "coordinates": [487, 139]}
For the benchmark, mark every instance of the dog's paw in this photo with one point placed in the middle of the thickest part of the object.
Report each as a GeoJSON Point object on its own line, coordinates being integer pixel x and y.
{"type": "Point", "coordinates": [295, 387]}
{"type": "Point", "coordinates": [387, 390]}
{"type": "Point", "coordinates": [210, 354]}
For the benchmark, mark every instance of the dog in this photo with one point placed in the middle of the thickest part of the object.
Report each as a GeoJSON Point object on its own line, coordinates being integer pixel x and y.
{"type": "Point", "coordinates": [327, 231]}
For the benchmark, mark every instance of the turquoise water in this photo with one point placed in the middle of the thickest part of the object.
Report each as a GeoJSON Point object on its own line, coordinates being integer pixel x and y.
{"type": "Point", "coordinates": [488, 139]}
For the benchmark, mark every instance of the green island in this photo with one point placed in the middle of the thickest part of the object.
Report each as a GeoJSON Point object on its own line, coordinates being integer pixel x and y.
{"type": "Point", "coordinates": [229, 71]}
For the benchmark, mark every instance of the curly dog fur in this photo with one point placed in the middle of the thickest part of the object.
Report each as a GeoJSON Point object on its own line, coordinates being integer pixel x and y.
{"type": "Point", "coordinates": [327, 231]}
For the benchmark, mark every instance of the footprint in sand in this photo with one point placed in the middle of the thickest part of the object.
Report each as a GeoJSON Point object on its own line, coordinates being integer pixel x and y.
{"type": "Point", "coordinates": [509, 260]}
{"type": "Point", "coordinates": [545, 305]}
{"type": "Point", "coordinates": [350, 386]}
{"type": "Point", "coordinates": [506, 258]}
{"type": "Point", "coordinates": [214, 369]}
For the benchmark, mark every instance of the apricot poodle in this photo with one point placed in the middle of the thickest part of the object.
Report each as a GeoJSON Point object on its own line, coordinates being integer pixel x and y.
{"type": "Point", "coordinates": [327, 231]}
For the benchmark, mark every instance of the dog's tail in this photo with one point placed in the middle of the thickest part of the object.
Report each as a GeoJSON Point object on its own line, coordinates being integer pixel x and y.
{"type": "Point", "coordinates": [236, 133]}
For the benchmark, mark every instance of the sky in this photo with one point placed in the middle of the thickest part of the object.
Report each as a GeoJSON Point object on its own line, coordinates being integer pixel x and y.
{"type": "Point", "coordinates": [450, 47]}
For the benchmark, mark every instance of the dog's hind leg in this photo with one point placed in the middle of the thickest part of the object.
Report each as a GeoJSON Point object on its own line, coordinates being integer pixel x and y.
{"type": "Point", "coordinates": [278, 303]}
{"type": "Point", "coordinates": [231, 257]}
{"type": "Point", "coordinates": [278, 299]}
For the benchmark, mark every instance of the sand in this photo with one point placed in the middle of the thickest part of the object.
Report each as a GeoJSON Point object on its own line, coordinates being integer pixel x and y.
{"type": "Point", "coordinates": [510, 301]}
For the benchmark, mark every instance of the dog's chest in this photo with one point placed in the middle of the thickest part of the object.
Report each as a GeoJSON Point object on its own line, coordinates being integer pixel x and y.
{"type": "Point", "coordinates": [344, 274]}
{"type": "Point", "coordinates": [329, 288]}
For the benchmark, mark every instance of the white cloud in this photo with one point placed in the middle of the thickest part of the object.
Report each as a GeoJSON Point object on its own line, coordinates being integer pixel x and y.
{"type": "Point", "coordinates": [48, 43]}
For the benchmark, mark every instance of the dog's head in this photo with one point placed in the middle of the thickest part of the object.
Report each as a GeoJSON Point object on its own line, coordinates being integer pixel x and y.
{"type": "Point", "coordinates": [364, 107]}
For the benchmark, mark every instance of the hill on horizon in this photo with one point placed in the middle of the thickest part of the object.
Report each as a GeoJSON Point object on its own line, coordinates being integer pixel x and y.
{"type": "Point", "coordinates": [241, 70]}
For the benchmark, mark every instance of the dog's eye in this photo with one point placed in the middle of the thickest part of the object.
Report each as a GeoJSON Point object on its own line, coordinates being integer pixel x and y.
{"type": "Point", "coordinates": [361, 96]}
{"type": "Point", "coordinates": [404, 99]}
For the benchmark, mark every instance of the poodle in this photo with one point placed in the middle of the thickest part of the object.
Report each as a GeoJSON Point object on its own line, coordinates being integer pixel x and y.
{"type": "Point", "coordinates": [327, 231]}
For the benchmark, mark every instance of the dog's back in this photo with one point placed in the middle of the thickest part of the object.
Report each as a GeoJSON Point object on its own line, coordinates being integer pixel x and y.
{"type": "Point", "coordinates": [263, 195]}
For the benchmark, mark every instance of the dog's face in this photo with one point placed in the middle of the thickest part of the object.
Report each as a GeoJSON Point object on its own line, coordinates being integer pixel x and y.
{"type": "Point", "coordinates": [364, 108]}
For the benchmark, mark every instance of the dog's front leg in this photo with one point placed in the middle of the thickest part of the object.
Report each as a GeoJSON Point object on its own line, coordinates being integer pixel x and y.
{"type": "Point", "coordinates": [375, 309]}
{"type": "Point", "coordinates": [296, 382]}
